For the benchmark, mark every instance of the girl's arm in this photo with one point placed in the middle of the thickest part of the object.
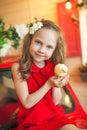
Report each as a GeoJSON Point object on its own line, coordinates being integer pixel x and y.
{"type": "Point", "coordinates": [57, 95]}
{"type": "Point", "coordinates": [56, 91]}
{"type": "Point", "coordinates": [27, 100]}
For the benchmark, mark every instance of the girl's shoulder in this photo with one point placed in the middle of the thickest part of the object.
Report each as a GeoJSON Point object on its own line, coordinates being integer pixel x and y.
{"type": "Point", "coordinates": [15, 71]}
{"type": "Point", "coordinates": [15, 67]}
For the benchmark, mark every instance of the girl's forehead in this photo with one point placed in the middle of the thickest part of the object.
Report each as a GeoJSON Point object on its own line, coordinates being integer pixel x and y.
{"type": "Point", "coordinates": [45, 32]}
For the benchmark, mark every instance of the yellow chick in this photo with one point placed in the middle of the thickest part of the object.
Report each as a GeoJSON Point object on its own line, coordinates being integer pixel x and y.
{"type": "Point", "coordinates": [61, 70]}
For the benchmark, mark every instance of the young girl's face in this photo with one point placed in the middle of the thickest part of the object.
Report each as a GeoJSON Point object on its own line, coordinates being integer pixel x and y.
{"type": "Point", "coordinates": [43, 45]}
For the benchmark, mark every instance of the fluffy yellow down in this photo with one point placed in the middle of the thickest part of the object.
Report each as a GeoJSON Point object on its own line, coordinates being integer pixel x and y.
{"type": "Point", "coordinates": [61, 70]}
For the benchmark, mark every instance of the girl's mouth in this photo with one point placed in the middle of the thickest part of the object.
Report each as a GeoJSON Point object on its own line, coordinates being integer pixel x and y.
{"type": "Point", "coordinates": [39, 55]}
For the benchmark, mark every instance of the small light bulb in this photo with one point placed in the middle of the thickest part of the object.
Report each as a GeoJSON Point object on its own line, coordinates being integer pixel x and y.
{"type": "Point", "coordinates": [68, 5]}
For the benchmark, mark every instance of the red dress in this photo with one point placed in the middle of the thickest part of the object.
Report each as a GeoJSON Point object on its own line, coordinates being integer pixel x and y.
{"type": "Point", "coordinates": [45, 115]}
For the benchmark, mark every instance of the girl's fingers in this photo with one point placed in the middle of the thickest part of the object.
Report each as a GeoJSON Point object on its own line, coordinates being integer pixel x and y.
{"type": "Point", "coordinates": [61, 81]}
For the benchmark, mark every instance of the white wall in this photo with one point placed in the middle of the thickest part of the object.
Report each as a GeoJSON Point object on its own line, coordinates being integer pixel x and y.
{"type": "Point", "coordinates": [83, 32]}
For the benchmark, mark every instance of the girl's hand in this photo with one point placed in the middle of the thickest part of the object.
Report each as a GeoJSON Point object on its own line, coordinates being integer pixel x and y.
{"type": "Point", "coordinates": [56, 81]}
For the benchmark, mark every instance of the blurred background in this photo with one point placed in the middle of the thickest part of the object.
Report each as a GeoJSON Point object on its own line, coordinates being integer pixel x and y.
{"type": "Point", "coordinates": [72, 19]}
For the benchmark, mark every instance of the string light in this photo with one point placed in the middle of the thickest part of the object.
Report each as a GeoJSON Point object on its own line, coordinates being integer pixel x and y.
{"type": "Point", "coordinates": [68, 5]}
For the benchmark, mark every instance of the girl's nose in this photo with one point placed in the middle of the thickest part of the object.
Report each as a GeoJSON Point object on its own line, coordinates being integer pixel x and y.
{"type": "Point", "coordinates": [42, 49]}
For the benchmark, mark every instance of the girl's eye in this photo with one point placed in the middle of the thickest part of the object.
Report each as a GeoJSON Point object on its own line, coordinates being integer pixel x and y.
{"type": "Point", "coordinates": [49, 47]}
{"type": "Point", "coordinates": [38, 42]}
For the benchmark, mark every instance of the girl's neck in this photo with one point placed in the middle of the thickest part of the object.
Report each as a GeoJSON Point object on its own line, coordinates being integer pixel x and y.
{"type": "Point", "coordinates": [40, 65]}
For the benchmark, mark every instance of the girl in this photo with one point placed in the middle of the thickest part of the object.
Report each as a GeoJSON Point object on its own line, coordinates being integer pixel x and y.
{"type": "Point", "coordinates": [37, 87]}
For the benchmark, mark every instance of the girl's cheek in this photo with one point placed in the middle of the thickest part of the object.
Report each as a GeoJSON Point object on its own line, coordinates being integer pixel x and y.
{"type": "Point", "coordinates": [51, 53]}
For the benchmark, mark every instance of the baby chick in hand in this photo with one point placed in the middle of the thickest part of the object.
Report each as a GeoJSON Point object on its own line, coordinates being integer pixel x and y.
{"type": "Point", "coordinates": [61, 70]}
